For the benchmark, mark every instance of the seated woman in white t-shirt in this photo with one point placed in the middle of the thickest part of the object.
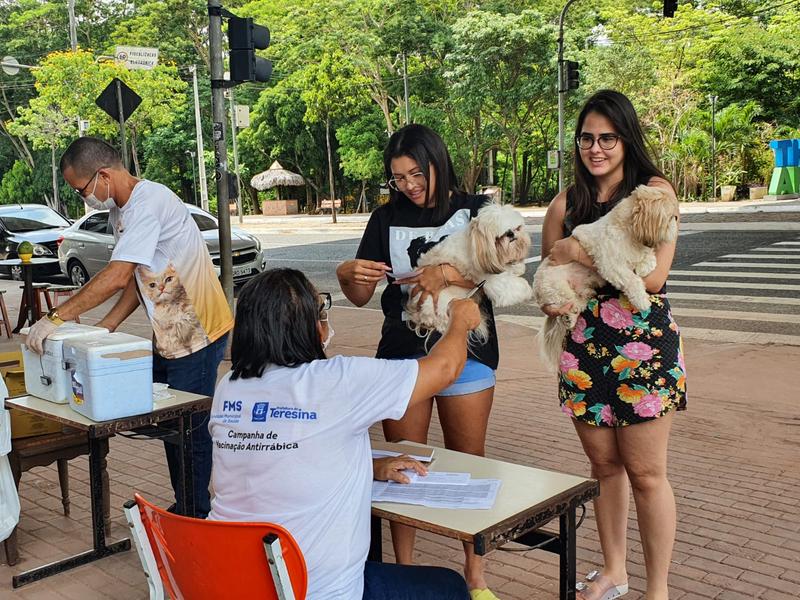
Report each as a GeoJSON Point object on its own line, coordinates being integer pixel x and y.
{"type": "Point", "coordinates": [290, 440]}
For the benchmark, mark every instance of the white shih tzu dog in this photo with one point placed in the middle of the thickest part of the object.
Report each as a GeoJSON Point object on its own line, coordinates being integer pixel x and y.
{"type": "Point", "coordinates": [490, 249]}
{"type": "Point", "coordinates": [622, 245]}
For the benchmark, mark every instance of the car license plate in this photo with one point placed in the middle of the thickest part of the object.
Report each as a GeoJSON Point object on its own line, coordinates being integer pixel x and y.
{"type": "Point", "coordinates": [241, 271]}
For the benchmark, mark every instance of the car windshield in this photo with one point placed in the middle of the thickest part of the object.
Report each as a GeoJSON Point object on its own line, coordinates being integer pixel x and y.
{"type": "Point", "coordinates": [204, 223]}
{"type": "Point", "coordinates": [31, 219]}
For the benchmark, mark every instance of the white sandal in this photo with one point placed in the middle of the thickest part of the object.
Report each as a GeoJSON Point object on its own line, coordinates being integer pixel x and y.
{"type": "Point", "coordinates": [609, 593]}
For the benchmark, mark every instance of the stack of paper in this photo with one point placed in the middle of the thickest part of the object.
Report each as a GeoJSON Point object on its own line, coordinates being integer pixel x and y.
{"type": "Point", "coordinates": [383, 449]}
{"type": "Point", "coordinates": [439, 490]}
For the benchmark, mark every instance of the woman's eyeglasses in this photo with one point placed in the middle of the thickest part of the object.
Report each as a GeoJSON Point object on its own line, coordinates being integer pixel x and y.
{"type": "Point", "coordinates": [325, 303]}
{"type": "Point", "coordinates": [606, 141]}
{"type": "Point", "coordinates": [402, 182]}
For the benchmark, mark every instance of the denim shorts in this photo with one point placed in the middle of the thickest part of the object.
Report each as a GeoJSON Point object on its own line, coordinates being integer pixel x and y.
{"type": "Point", "coordinates": [475, 377]}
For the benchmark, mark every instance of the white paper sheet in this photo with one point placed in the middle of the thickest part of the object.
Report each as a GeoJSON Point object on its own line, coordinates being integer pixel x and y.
{"type": "Point", "coordinates": [387, 453]}
{"type": "Point", "coordinates": [477, 494]}
{"type": "Point", "coordinates": [438, 478]}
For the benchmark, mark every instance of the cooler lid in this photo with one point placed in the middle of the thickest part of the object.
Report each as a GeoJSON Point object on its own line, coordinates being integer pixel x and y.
{"type": "Point", "coordinates": [70, 329]}
{"type": "Point", "coordinates": [111, 345]}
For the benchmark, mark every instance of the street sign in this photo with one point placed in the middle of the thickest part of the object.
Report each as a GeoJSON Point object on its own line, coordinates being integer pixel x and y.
{"type": "Point", "coordinates": [10, 65]}
{"type": "Point", "coordinates": [242, 116]}
{"type": "Point", "coordinates": [83, 126]}
{"type": "Point", "coordinates": [137, 57]}
{"type": "Point", "coordinates": [107, 100]}
{"type": "Point", "coordinates": [552, 159]}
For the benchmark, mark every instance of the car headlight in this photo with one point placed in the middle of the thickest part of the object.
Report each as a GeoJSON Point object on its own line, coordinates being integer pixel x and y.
{"type": "Point", "coordinates": [39, 250]}
{"type": "Point", "coordinates": [258, 243]}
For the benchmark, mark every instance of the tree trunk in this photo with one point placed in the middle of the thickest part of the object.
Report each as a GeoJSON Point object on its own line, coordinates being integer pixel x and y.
{"type": "Point", "coordinates": [514, 171]}
{"type": "Point", "coordinates": [54, 205]}
{"type": "Point", "coordinates": [330, 168]}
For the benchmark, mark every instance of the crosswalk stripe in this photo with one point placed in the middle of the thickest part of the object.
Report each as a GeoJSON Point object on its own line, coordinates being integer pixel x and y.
{"type": "Point", "coordinates": [702, 333]}
{"type": "Point", "coordinates": [735, 315]}
{"type": "Point", "coordinates": [787, 244]}
{"type": "Point", "coordinates": [728, 298]}
{"type": "Point", "coordinates": [771, 249]}
{"type": "Point", "coordinates": [762, 257]}
{"type": "Point", "coordinates": [745, 264]}
{"type": "Point", "coordinates": [745, 274]}
{"type": "Point", "coordinates": [734, 284]}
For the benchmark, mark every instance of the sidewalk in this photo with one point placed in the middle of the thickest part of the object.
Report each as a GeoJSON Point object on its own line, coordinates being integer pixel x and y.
{"type": "Point", "coordinates": [733, 465]}
{"type": "Point", "coordinates": [355, 223]}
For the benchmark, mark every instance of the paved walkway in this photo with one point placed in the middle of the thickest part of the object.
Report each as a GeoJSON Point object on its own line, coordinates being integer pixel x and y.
{"type": "Point", "coordinates": [733, 464]}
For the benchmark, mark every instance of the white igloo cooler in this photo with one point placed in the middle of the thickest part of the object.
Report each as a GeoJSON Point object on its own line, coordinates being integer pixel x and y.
{"type": "Point", "coordinates": [112, 375]}
{"type": "Point", "coordinates": [45, 375]}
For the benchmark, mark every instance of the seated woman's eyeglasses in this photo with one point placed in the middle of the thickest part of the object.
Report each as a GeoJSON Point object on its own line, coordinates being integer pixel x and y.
{"type": "Point", "coordinates": [606, 141]}
{"type": "Point", "coordinates": [325, 303]}
{"type": "Point", "coordinates": [402, 182]}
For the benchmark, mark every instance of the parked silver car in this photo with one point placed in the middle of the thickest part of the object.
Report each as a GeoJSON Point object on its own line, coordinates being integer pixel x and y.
{"type": "Point", "coordinates": [85, 247]}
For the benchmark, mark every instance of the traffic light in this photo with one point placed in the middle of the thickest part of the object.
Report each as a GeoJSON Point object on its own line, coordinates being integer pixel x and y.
{"type": "Point", "coordinates": [244, 38]}
{"type": "Point", "coordinates": [670, 6]}
{"type": "Point", "coordinates": [572, 75]}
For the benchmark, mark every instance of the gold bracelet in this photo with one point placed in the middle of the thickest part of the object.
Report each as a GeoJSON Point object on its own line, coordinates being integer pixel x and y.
{"type": "Point", "coordinates": [444, 277]}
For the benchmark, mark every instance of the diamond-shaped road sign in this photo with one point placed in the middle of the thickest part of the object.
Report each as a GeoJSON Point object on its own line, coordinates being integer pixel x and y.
{"type": "Point", "coordinates": [107, 100]}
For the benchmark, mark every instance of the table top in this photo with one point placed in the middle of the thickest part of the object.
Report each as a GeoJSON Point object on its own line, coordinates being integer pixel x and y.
{"type": "Point", "coordinates": [13, 262]}
{"type": "Point", "coordinates": [528, 498]}
{"type": "Point", "coordinates": [182, 403]}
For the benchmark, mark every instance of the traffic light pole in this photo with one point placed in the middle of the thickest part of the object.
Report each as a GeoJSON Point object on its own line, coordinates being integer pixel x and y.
{"type": "Point", "coordinates": [562, 92]}
{"type": "Point", "coordinates": [220, 147]}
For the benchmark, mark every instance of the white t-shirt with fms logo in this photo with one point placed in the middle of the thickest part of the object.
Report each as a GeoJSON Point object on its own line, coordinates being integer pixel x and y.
{"type": "Point", "coordinates": [175, 277]}
{"type": "Point", "coordinates": [292, 448]}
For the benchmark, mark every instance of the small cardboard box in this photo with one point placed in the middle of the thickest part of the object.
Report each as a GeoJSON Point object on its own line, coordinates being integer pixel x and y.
{"type": "Point", "coordinates": [23, 424]}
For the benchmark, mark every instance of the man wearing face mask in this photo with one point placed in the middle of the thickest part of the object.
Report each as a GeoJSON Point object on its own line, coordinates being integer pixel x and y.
{"type": "Point", "coordinates": [160, 261]}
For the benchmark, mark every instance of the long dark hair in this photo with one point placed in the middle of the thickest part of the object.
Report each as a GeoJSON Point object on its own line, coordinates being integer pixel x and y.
{"type": "Point", "coordinates": [276, 323]}
{"type": "Point", "coordinates": [425, 146]}
{"type": "Point", "coordinates": [637, 166]}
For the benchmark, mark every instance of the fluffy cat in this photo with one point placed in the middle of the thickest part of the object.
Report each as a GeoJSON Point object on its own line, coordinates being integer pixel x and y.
{"type": "Point", "coordinates": [174, 320]}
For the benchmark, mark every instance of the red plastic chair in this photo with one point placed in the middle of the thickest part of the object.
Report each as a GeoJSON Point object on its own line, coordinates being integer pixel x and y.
{"type": "Point", "coordinates": [195, 559]}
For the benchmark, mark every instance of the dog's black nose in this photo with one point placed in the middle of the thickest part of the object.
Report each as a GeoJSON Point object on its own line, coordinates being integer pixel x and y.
{"type": "Point", "coordinates": [510, 235]}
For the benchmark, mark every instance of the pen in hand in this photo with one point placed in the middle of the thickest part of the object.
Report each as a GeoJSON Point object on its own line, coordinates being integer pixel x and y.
{"type": "Point", "coordinates": [475, 290]}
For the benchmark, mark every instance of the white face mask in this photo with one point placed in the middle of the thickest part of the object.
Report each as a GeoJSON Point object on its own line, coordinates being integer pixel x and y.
{"type": "Point", "coordinates": [92, 201]}
{"type": "Point", "coordinates": [327, 341]}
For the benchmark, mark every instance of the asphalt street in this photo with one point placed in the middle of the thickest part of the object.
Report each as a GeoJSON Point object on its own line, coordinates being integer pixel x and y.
{"type": "Point", "coordinates": [732, 274]}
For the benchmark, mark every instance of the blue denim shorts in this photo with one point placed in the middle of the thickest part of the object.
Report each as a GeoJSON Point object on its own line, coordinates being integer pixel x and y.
{"type": "Point", "coordinates": [475, 377]}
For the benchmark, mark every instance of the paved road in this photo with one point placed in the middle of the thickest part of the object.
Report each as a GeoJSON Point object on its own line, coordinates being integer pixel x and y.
{"type": "Point", "coordinates": [730, 281]}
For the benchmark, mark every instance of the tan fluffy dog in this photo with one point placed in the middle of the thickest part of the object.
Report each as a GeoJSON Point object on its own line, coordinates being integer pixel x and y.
{"type": "Point", "coordinates": [622, 245]}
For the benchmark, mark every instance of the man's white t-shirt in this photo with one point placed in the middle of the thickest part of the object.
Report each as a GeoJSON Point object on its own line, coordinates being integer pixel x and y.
{"type": "Point", "coordinates": [175, 277]}
{"type": "Point", "coordinates": [292, 448]}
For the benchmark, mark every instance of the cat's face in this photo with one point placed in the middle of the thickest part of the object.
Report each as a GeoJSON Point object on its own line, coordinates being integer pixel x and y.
{"type": "Point", "coordinates": [160, 287]}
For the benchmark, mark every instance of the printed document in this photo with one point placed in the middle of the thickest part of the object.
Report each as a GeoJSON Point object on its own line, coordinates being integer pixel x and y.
{"type": "Point", "coordinates": [477, 494]}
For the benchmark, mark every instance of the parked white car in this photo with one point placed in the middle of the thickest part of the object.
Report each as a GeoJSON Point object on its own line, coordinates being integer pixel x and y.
{"type": "Point", "coordinates": [85, 247]}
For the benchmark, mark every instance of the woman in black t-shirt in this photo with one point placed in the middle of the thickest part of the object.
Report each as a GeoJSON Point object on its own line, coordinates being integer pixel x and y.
{"type": "Point", "coordinates": [425, 207]}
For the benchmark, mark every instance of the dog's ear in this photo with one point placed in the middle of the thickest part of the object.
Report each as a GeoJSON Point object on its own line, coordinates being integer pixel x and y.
{"type": "Point", "coordinates": [484, 249]}
{"type": "Point", "coordinates": [651, 215]}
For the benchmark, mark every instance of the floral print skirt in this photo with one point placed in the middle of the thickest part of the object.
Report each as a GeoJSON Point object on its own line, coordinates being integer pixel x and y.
{"type": "Point", "coordinates": [621, 366]}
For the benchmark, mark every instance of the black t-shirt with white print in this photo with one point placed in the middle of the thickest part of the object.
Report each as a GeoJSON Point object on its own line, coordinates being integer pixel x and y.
{"type": "Point", "coordinates": [397, 234]}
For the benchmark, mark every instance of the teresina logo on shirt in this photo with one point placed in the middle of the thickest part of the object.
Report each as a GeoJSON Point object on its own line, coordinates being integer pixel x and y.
{"type": "Point", "coordinates": [262, 411]}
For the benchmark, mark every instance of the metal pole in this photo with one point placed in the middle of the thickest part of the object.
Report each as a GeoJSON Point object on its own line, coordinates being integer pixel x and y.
{"type": "Point", "coordinates": [713, 100]}
{"type": "Point", "coordinates": [201, 163]}
{"type": "Point", "coordinates": [405, 87]}
{"type": "Point", "coordinates": [234, 131]}
{"type": "Point", "coordinates": [122, 142]}
{"type": "Point", "coordinates": [220, 148]}
{"type": "Point", "coordinates": [562, 92]}
{"type": "Point", "coordinates": [194, 179]}
{"type": "Point", "coordinates": [73, 29]}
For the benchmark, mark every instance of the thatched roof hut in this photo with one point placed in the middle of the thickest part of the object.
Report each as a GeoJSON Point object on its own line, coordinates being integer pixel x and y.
{"type": "Point", "coordinates": [275, 176]}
